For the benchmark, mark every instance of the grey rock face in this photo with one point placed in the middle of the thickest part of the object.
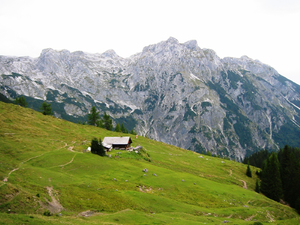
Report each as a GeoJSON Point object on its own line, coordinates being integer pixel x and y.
{"type": "Point", "coordinates": [172, 92]}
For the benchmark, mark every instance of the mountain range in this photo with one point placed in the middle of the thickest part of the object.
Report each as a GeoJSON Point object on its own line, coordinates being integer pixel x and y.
{"type": "Point", "coordinates": [176, 93]}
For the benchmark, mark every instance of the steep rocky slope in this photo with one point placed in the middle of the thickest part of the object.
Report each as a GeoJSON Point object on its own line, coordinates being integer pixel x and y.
{"type": "Point", "coordinates": [172, 92]}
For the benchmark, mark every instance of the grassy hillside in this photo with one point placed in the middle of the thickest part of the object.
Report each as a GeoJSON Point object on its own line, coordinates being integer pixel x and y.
{"type": "Point", "coordinates": [43, 170]}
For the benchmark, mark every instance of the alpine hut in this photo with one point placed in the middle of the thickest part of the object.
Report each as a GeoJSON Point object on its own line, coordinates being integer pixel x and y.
{"type": "Point", "coordinates": [118, 142]}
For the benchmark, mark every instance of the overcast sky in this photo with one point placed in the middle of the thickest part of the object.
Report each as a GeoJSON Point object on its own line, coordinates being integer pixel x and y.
{"type": "Point", "coordinates": [267, 30]}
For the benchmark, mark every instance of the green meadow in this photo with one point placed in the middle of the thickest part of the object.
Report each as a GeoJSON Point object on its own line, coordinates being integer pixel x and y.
{"type": "Point", "coordinates": [47, 178]}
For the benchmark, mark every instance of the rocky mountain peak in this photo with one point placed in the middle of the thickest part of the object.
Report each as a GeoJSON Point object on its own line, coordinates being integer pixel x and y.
{"type": "Point", "coordinates": [172, 92]}
{"type": "Point", "coordinates": [172, 40]}
{"type": "Point", "coordinates": [192, 44]}
{"type": "Point", "coordinates": [110, 54]}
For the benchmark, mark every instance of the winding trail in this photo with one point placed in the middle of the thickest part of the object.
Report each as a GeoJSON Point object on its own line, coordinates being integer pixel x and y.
{"type": "Point", "coordinates": [6, 178]}
{"type": "Point", "coordinates": [245, 184]}
{"type": "Point", "coordinates": [68, 162]}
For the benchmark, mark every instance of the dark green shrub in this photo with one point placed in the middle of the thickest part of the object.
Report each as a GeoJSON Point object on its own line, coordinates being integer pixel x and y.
{"type": "Point", "coordinates": [47, 213]}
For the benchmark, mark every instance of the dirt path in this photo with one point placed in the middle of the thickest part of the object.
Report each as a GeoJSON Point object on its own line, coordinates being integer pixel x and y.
{"type": "Point", "coordinates": [68, 162]}
{"type": "Point", "coordinates": [245, 184]}
{"type": "Point", "coordinates": [71, 148]}
{"type": "Point", "coordinates": [54, 206]}
{"type": "Point", "coordinates": [6, 178]}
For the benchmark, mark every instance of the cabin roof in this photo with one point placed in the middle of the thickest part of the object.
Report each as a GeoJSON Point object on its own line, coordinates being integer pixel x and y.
{"type": "Point", "coordinates": [117, 140]}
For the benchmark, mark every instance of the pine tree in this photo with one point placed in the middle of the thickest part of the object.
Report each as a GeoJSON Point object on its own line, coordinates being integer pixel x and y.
{"type": "Point", "coordinates": [97, 147]}
{"type": "Point", "coordinates": [286, 172]}
{"type": "Point", "coordinates": [271, 182]}
{"type": "Point", "coordinates": [94, 146]}
{"type": "Point", "coordinates": [118, 128]}
{"type": "Point", "coordinates": [133, 132]}
{"type": "Point", "coordinates": [257, 187]}
{"type": "Point", "coordinates": [46, 109]}
{"type": "Point", "coordinates": [101, 150]}
{"type": "Point", "coordinates": [248, 172]}
{"type": "Point", "coordinates": [21, 101]}
{"type": "Point", "coordinates": [107, 122]}
{"type": "Point", "coordinates": [93, 116]}
{"type": "Point", "coordinates": [100, 123]}
{"type": "Point", "coordinates": [123, 128]}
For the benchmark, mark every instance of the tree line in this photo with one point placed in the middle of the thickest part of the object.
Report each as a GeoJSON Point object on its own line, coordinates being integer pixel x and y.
{"type": "Point", "coordinates": [105, 122]}
{"type": "Point", "coordinates": [93, 117]}
{"type": "Point", "coordinates": [45, 107]}
{"type": "Point", "coordinates": [279, 174]}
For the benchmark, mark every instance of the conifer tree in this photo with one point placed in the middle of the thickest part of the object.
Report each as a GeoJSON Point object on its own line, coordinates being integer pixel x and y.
{"type": "Point", "coordinates": [248, 172]}
{"type": "Point", "coordinates": [46, 109]}
{"type": "Point", "coordinates": [93, 116]}
{"type": "Point", "coordinates": [101, 150]}
{"type": "Point", "coordinates": [123, 128]}
{"type": "Point", "coordinates": [271, 182]}
{"type": "Point", "coordinates": [107, 122]}
{"type": "Point", "coordinates": [133, 132]}
{"type": "Point", "coordinates": [291, 180]}
{"type": "Point", "coordinates": [94, 146]}
{"type": "Point", "coordinates": [97, 147]}
{"type": "Point", "coordinates": [286, 172]}
{"type": "Point", "coordinates": [257, 187]}
{"type": "Point", "coordinates": [21, 101]}
{"type": "Point", "coordinates": [118, 128]}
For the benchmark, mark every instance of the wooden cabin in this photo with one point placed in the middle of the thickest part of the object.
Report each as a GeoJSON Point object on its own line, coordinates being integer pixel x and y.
{"type": "Point", "coordinates": [118, 142]}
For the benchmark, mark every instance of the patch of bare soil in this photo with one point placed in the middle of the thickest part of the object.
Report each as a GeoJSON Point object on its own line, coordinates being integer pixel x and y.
{"type": "Point", "coordinates": [270, 217]}
{"type": "Point", "coordinates": [250, 218]}
{"type": "Point", "coordinates": [71, 148]}
{"type": "Point", "coordinates": [54, 206]}
{"type": "Point", "coordinates": [144, 189]}
{"type": "Point", "coordinates": [87, 213]}
{"type": "Point", "coordinates": [245, 184]}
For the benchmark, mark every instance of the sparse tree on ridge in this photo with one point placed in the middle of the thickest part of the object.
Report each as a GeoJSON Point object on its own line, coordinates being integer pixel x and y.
{"type": "Point", "coordinates": [21, 101]}
{"type": "Point", "coordinates": [123, 128]}
{"type": "Point", "coordinates": [133, 132]}
{"type": "Point", "coordinates": [107, 122]}
{"type": "Point", "coordinates": [118, 128]}
{"type": "Point", "coordinates": [93, 116]}
{"type": "Point", "coordinates": [46, 109]}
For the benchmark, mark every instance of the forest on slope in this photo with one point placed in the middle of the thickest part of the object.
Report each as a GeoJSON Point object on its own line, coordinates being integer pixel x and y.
{"type": "Point", "coordinates": [279, 175]}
